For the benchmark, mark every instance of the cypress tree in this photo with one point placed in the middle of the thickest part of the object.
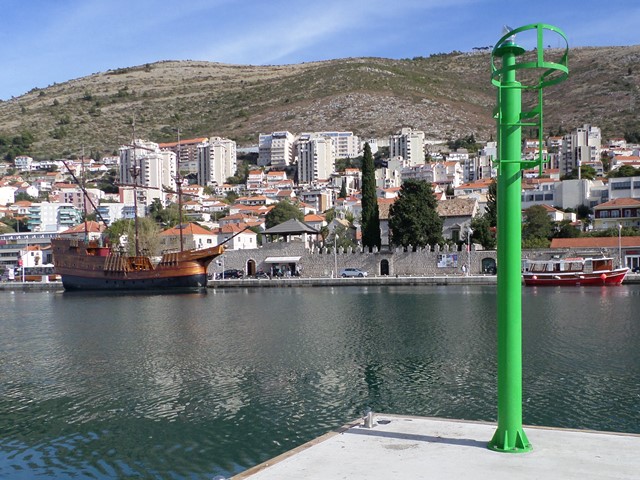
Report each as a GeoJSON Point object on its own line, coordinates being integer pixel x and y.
{"type": "Point", "coordinates": [370, 217]}
{"type": "Point", "coordinates": [343, 189]}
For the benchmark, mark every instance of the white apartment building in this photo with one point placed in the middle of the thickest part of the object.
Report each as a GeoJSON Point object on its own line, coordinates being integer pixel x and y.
{"type": "Point", "coordinates": [581, 145]}
{"type": "Point", "coordinates": [346, 144]}
{"type": "Point", "coordinates": [408, 144]}
{"type": "Point", "coordinates": [110, 212]}
{"type": "Point", "coordinates": [573, 193]}
{"type": "Point", "coordinates": [217, 161]}
{"type": "Point", "coordinates": [23, 163]}
{"type": "Point", "coordinates": [255, 180]}
{"type": "Point", "coordinates": [441, 173]}
{"type": "Point", "coordinates": [391, 175]}
{"type": "Point", "coordinates": [316, 157]}
{"type": "Point", "coordinates": [275, 149]}
{"type": "Point", "coordinates": [156, 170]}
{"type": "Point", "coordinates": [53, 217]}
{"type": "Point", "coordinates": [624, 187]}
{"type": "Point", "coordinates": [7, 195]}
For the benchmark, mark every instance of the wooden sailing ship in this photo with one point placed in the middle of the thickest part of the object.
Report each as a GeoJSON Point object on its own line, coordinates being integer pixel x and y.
{"type": "Point", "coordinates": [91, 265]}
{"type": "Point", "coordinates": [86, 265]}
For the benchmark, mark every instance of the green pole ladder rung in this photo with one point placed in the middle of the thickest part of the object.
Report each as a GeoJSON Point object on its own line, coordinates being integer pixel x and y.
{"type": "Point", "coordinates": [553, 73]}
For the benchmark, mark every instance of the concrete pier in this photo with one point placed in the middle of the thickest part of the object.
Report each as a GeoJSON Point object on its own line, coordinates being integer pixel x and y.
{"type": "Point", "coordinates": [427, 448]}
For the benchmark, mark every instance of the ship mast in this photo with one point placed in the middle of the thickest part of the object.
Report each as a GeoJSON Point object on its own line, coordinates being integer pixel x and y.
{"type": "Point", "coordinates": [178, 179]}
{"type": "Point", "coordinates": [84, 200]}
{"type": "Point", "coordinates": [135, 173]}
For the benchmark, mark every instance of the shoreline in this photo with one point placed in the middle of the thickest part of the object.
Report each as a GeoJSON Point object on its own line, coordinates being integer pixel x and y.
{"type": "Point", "coordinates": [632, 278]}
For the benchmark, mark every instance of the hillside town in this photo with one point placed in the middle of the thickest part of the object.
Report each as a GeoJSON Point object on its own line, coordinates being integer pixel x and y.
{"type": "Point", "coordinates": [227, 191]}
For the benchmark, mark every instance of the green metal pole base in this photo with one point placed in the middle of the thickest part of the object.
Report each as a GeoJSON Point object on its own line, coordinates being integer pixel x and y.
{"type": "Point", "coordinates": [506, 441]}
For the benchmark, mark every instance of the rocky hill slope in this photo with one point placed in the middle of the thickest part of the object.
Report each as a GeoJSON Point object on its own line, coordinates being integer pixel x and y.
{"type": "Point", "coordinates": [446, 95]}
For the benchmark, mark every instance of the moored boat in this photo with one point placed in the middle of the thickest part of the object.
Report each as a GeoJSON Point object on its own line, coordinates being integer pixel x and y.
{"type": "Point", "coordinates": [573, 271]}
{"type": "Point", "coordinates": [86, 265]}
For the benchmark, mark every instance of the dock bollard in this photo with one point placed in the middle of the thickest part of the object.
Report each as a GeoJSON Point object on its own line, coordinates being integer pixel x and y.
{"type": "Point", "coordinates": [368, 419]}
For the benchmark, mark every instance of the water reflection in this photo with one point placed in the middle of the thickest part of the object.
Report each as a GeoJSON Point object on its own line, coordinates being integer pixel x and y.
{"type": "Point", "coordinates": [193, 386]}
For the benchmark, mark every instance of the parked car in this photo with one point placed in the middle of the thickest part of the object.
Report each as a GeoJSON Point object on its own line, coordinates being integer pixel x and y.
{"type": "Point", "coordinates": [261, 274]}
{"type": "Point", "coordinates": [352, 272]}
{"type": "Point", "coordinates": [231, 273]}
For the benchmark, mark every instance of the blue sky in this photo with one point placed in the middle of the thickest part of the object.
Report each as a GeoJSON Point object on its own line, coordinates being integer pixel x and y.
{"type": "Point", "coordinates": [51, 41]}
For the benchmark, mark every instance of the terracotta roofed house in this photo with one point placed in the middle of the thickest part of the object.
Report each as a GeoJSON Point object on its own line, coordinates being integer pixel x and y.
{"type": "Point", "coordinates": [619, 211]}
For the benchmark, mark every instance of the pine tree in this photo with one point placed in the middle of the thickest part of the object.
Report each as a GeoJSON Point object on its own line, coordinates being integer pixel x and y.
{"type": "Point", "coordinates": [370, 217]}
{"type": "Point", "coordinates": [414, 219]}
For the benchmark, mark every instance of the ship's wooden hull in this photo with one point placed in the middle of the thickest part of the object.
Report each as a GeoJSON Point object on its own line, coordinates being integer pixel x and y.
{"type": "Point", "coordinates": [91, 267]}
{"type": "Point", "coordinates": [188, 282]}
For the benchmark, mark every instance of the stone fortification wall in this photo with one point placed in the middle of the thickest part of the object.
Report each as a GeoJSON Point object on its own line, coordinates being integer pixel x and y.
{"type": "Point", "coordinates": [423, 262]}
{"type": "Point", "coordinates": [323, 262]}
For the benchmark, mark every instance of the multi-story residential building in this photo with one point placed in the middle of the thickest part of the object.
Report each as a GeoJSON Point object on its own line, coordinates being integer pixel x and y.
{"type": "Point", "coordinates": [23, 163]}
{"type": "Point", "coordinates": [155, 169]}
{"type": "Point", "coordinates": [390, 176]}
{"type": "Point", "coordinates": [320, 199]}
{"type": "Point", "coordinates": [441, 173]}
{"type": "Point", "coordinates": [186, 152]}
{"type": "Point", "coordinates": [581, 145]}
{"type": "Point", "coordinates": [477, 187]}
{"type": "Point", "coordinates": [346, 144]}
{"type": "Point", "coordinates": [624, 187]}
{"type": "Point", "coordinates": [573, 193]}
{"type": "Point", "coordinates": [619, 212]}
{"type": "Point", "coordinates": [53, 217]}
{"type": "Point", "coordinates": [620, 160]}
{"type": "Point", "coordinates": [555, 143]}
{"type": "Point", "coordinates": [7, 194]}
{"type": "Point", "coordinates": [276, 149]}
{"type": "Point", "coordinates": [538, 191]}
{"type": "Point", "coordinates": [110, 212]}
{"type": "Point", "coordinates": [278, 180]}
{"type": "Point", "coordinates": [255, 180]}
{"type": "Point", "coordinates": [73, 194]}
{"type": "Point", "coordinates": [217, 161]}
{"type": "Point", "coordinates": [316, 158]}
{"type": "Point", "coordinates": [408, 144]}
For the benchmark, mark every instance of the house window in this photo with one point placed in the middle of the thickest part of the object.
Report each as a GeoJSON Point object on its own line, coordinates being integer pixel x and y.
{"type": "Point", "coordinates": [615, 213]}
{"type": "Point", "coordinates": [627, 212]}
{"type": "Point", "coordinates": [604, 214]}
{"type": "Point", "coordinates": [621, 185]}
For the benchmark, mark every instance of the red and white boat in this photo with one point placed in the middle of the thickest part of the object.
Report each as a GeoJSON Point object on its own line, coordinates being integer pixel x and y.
{"type": "Point", "coordinates": [573, 271]}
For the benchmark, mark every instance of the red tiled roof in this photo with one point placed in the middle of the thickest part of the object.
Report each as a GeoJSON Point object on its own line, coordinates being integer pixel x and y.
{"type": "Point", "coordinates": [595, 242]}
{"type": "Point", "coordinates": [235, 228]}
{"type": "Point", "coordinates": [92, 227]}
{"type": "Point", "coordinates": [618, 202]}
{"type": "Point", "coordinates": [189, 229]}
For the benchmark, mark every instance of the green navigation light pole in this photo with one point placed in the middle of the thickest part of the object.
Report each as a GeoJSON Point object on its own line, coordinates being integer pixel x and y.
{"type": "Point", "coordinates": [510, 436]}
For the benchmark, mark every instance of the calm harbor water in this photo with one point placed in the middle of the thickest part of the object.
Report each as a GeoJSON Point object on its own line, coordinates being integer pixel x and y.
{"type": "Point", "coordinates": [203, 385]}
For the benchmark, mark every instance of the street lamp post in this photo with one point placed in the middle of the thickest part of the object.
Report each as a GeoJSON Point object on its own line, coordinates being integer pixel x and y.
{"type": "Point", "coordinates": [620, 245]}
{"type": "Point", "coordinates": [470, 232]}
{"type": "Point", "coordinates": [335, 255]}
